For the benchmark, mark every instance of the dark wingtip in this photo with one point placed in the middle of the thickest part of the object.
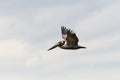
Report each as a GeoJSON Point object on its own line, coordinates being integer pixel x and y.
{"type": "Point", "coordinates": [62, 27]}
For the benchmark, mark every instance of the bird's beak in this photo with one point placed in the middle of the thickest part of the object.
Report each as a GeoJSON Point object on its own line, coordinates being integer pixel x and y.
{"type": "Point", "coordinates": [56, 45]}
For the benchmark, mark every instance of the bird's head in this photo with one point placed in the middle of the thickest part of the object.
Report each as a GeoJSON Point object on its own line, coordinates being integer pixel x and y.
{"type": "Point", "coordinates": [60, 43]}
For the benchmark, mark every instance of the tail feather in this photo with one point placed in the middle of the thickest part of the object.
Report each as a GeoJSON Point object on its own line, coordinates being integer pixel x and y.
{"type": "Point", "coordinates": [82, 47]}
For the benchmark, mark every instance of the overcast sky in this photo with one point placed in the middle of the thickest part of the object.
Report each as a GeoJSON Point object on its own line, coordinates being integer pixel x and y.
{"type": "Point", "coordinates": [29, 27]}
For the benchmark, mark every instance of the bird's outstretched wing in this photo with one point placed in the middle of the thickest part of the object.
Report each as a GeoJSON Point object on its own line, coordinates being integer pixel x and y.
{"type": "Point", "coordinates": [69, 36]}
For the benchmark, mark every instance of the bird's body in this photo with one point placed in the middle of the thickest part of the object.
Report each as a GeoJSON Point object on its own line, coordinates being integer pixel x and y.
{"type": "Point", "coordinates": [71, 48]}
{"type": "Point", "coordinates": [70, 39]}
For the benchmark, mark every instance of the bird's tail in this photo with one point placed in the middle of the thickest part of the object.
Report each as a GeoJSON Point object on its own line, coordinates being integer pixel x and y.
{"type": "Point", "coordinates": [82, 47]}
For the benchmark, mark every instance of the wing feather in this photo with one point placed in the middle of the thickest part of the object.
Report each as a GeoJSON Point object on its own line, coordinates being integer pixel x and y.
{"type": "Point", "coordinates": [69, 36]}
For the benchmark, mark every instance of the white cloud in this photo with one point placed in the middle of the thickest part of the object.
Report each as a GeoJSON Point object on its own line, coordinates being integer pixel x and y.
{"type": "Point", "coordinates": [6, 21]}
{"type": "Point", "coordinates": [101, 58]}
{"type": "Point", "coordinates": [86, 58]}
{"type": "Point", "coordinates": [58, 15]}
{"type": "Point", "coordinates": [104, 42]}
{"type": "Point", "coordinates": [12, 48]}
{"type": "Point", "coordinates": [101, 20]}
{"type": "Point", "coordinates": [32, 61]}
{"type": "Point", "coordinates": [77, 75]}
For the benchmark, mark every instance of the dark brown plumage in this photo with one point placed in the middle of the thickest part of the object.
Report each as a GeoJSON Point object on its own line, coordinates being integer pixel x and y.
{"type": "Point", "coordinates": [69, 36]}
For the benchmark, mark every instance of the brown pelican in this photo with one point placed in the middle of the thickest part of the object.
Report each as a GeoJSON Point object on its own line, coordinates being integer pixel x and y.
{"type": "Point", "coordinates": [70, 40]}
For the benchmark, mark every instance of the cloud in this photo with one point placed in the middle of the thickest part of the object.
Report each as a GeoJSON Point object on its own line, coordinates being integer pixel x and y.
{"type": "Point", "coordinates": [6, 21]}
{"type": "Point", "coordinates": [104, 42]}
{"type": "Point", "coordinates": [87, 75]}
{"type": "Point", "coordinates": [12, 49]}
{"type": "Point", "coordinates": [101, 21]}
{"type": "Point", "coordinates": [32, 61]}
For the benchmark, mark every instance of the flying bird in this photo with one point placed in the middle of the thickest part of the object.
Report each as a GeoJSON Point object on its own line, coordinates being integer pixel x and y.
{"type": "Point", "coordinates": [70, 41]}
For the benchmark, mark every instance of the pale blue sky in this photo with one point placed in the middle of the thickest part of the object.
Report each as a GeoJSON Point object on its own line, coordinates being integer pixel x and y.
{"type": "Point", "coordinates": [29, 27]}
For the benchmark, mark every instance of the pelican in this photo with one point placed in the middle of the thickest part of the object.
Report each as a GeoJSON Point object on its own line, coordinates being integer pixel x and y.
{"type": "Point", "coordinates": [70, 41]}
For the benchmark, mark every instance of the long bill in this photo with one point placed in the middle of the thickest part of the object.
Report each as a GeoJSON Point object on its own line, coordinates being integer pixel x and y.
{"type": "Point", "coordinates": [56, 45]}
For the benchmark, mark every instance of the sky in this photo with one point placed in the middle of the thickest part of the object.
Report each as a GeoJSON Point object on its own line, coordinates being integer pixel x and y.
{"type": "Point", "coordinates": [29, 27]}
